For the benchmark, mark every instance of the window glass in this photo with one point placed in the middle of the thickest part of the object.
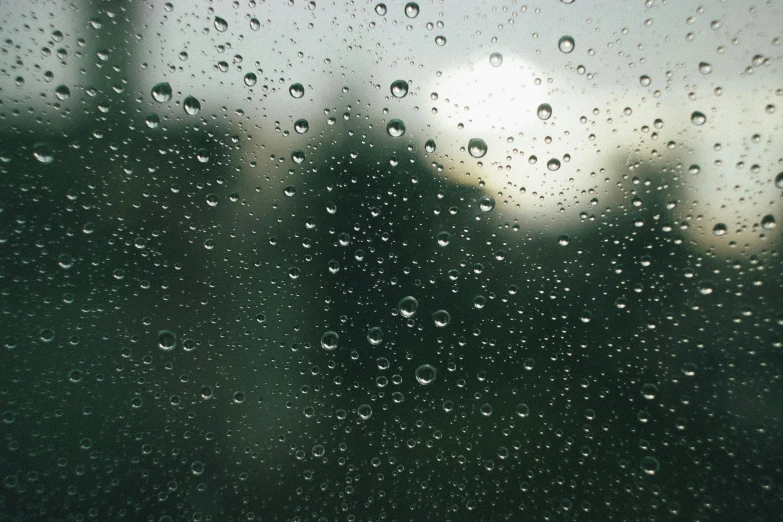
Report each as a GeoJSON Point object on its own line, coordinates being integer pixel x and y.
{"type": "Point", "coordinates": [363, 261]}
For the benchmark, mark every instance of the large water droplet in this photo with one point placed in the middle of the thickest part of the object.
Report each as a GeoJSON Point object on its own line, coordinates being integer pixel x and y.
{"type": "Point", "coordinates": [220, 24]}
{"type": "Point", "coordinates": [477, 148]}
{"type": "Point", "coordinates": [250, 79]}
{"type": "Point", "coordinates": [553, 164]}
{"type": "Point", "coordinates": [522, 410]}
{"type": "Point", "coordinates": [429, 146]}
{"type": "Point", "coordinates": [645, 80]}
{"type": "Point", "coordinates": [566, 44]}
{"type": "Point", "coordinates": [425, 374]}
{"type": "Point", "coordinates": [380, 9]}
{"type": "Point", "coordinates": [43, 152]}
{"type": "Point", "coordinates": [411, 9]}
{"type": "Point", "coordinates": [364, 411]}
{"type": "Point", "coordinates": [496, 59]}
{"type": "Point", "coordinates": [329, 340]}
{"type": "Point", "coordinates": [486, 203]}
{"type": "Point", "coordinates": [705, 68]}
{"type": "Point", "coordinates": [62, 93]}
{"type": "Point", "coordinates": [375, 336]}
{"type": "Point", "coordinates": [167, 340]}
{"type": "Point", "coordinates": [191, 105]}
{"type": "Point", "coordinates": [649, 465]}
{"type": "Point", "coordinates": [779, 181]}
{"type": "Point", "coordinates": [441, 318]}
{"type": "Point", "coordinates": [301, 126]}
{"type": "Point", "coordinates": [399, 88]}
{"type": "Point", "coordinates": [161, 92]}
{"type": "Point", "coordinates": [698, 118]}
{"type": "Point", "coordinates": [544, 111]}
{"type": "Point", "coordinates": [395, 128]}
{"type": "Point", "coordinates": [768, 222]}
{"type": "Point", "coordinates": [296, 90]}
{"type": "Point", "coordinates": [719, 229]}
{"type": "Point", "coordinates": [408, 306]}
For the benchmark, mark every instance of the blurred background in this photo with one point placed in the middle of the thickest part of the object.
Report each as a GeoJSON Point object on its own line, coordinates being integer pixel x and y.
{"type": "Point", "coordinates": [362, 261]}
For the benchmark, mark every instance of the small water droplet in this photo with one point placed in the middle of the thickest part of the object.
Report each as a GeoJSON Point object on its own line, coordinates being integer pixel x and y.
{"type": "Point", "coordinates": [477, 148]}
{"type": "Point", "coordinates": [395, 128]}
{"type": "Point", "coordinates": [425, 374]}
{"type": "Point", "coordinates": [162, 92]}
{"type": "Point", "coordinates": [399, 88]}
{"type": "Point", "coordinates": [566, 44]}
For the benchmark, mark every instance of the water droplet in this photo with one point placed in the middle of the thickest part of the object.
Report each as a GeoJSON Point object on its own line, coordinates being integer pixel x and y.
{"type": "Point", "coordinates": [152, 120]}
{"type": "Point", "coordinates": [698, 118]}
{"type": "Point", "coordinates": [768, 222]}
{"type": "Point", "coordinates": [522, 410]}
{"type": "Point", "coordinates": [289, 190]}
{"type": "Point", "coordinates": [238, 397]}
{"type": "Point", "coordinates": [544, 111]}
{"type": "Point", "coordinates": [649, 465]}
{"type": "Point", "coordinates": [318, 451]}
{"type": "Point", "coordinates": [408, 306]}
{"type": "Point", "coordinates": [395, 128]}
{"type": "Point", "coordinates": [364, 411]}
{"type": "Point", "coordinates": [65, 261]}
{"type": "Point", "coordinates": [440, 40]}
{"type": "Point", "coordinates": [43, 152]}
{"type": "Point", "coordinates": [425, 374]}
{"type": "Point", "coordinates": [167, 340]}
{"type": "Point", "coordinates": [429, 146]}
{"type": "Point", "coordinates": [496, 59]}
{"type": "Point", "coordinates": [161, 92]}
{"type": "Point", "coordinates": [380, 9]}
{"type": "Point", "coordinates": [329, 340]}
{"type": "Point", "coordinates": [779, 181]}
{"type": "Point", "coordinates": [563, 240]}
{"type": "Point", "coordinates": [566, 44]}
{"type": "Point", "coordinates": [75, 376]}
{"type": "Point", "coordinates": [296, 90]}
{"type": "Point", "coordinates": [693, 170]}
{"type": "Point", "coordinates": [255, 24]}
{"type": "Point", "coordinates": [220, 24]}
{"type": "Point", "coordinates": [645, 80]}
{"type": "Point", "coordinates": [649, 390]}
{"type": "Point", "coordinates": [411, 9]}
{"type": "Point", "coordinates": [705, 287]}
{"type": "Point", "coordinates": [486, 409]}
{"type": "Point", "coordinates": [441, 318]}
{"type": "Point", "coordinates": [705, 68]}
{"type": "Point", "coordinates": [301, 126]}
{"type": "Point", "coordinates": [689, 369]}
{"type": "Point", "coordinates": [719, 229]}
{"type": "Point", "coordinates": [62, 93]}
{"type": "Point", "coordinates": [298, 156]}
{"type": "Point", "coordinates": [191, 105]}
{"type": "Point", "coordinates": [399, 88]}
{"type": "Point", "coordinates": [375, 336]}
{"type": "Point", "coordinates": [487, 203]}
{"type": "Point", "coordinates": [477, 148]}
{"type": "Point", "coordinates": [553, 164]}
{"type": "Point", "coordinates": [250, 79]}
{"type": "Point", "coordinates": [202, 155]}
